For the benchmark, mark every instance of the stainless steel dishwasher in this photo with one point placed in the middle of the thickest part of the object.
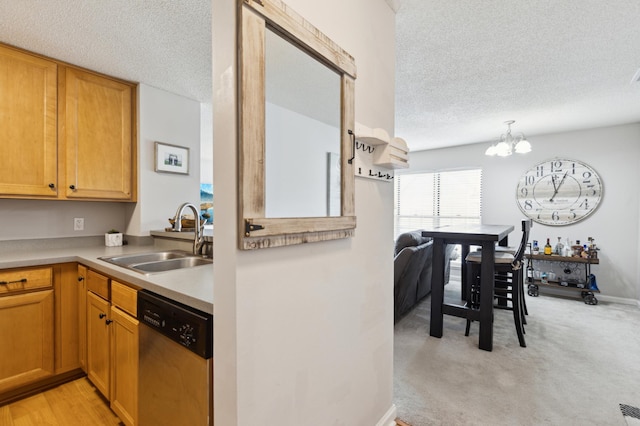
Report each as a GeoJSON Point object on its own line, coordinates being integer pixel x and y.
{"type": "Point", "coordinates": [176, 363]}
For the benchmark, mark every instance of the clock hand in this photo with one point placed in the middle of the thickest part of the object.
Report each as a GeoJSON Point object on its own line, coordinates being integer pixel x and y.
{"type": "Point", "coordinates": [555, 188]}
{"type": "Point", "coordinates": [558, 187]}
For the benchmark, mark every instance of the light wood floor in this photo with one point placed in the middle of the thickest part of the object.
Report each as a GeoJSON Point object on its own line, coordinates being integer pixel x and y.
{"type": "Point", "coordinates": [73, 403]}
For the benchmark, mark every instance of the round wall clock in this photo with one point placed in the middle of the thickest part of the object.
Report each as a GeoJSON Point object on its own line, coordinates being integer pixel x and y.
{"type": "Point", "coordinates": [559, 192]}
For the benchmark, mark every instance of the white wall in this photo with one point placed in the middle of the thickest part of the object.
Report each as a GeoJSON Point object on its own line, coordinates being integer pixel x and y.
{"type": "Point", "coordinates": [613, 152]}
{"type": "Point", "coordinates": [36, 219]}
{"type": "Point", "coordinates": [206, 143]}
{"type": "Point", "coordinates": [304, 334]}
{"type": "Point", "coordinates": [172, 119]}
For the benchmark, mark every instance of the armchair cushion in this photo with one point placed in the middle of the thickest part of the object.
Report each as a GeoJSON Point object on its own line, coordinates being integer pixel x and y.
{"type": "Point", "coordinates": [410, 239]}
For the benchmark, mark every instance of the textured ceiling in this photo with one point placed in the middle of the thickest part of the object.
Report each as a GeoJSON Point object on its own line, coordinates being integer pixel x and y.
{"type": "Point", "coordinates": [162, 43]}
{"type": "Point", "coordinates": [463, 66]}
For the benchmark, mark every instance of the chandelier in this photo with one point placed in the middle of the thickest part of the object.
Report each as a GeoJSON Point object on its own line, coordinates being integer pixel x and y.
{"type": "Point", "coordinates": [508, 143]}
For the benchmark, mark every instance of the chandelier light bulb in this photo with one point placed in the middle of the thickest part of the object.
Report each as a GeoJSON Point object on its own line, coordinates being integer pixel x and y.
{"type": "Point", "coordinates": [523, 147]}
{"type": "Point", "coordinates": [508, 143]}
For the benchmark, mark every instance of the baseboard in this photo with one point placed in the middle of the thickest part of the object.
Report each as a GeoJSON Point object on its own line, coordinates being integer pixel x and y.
{"type": "Point", "coordinates": [39, 386]}
{"type": "Point", "coordinates": [389, 418]}
{"type": "Point", "coordinates": [572, 294]}
{"type": "Point", "coordinates": [621, 300]}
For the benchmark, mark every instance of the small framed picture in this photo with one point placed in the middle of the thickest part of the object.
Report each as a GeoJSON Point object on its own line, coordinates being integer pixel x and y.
{"type": "Point", "coordinates": [172, 159]}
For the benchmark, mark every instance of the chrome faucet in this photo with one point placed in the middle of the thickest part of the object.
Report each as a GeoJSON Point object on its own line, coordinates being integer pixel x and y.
{"type": "Point", "coordinates": [198, 241]}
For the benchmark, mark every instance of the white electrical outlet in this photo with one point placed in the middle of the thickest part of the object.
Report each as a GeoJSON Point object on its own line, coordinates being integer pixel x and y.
{"type": "Point", "coordinates": [78, 224]}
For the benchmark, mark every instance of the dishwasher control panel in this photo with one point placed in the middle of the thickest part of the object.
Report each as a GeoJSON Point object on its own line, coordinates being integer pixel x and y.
{"type": "Point", "coordinates": [183, 324]}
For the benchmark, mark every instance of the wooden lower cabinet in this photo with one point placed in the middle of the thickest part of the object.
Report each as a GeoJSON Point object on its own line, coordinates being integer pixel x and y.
{"type": "Point", "coordinates": [124, 366]}
{"type": "Point", "coordinates": [112, 344]}
{"type": "Point", "coordinates": [67, 314]}
{"type": "Point", "coordinates": [98, 342]}
{"type": "Point", "coordinates": [58, 320]}
{"type": "Point", "coordinates": [39, 333]}
{"type": "Point", "coordinates": [82, 317]}
{"type": "Point", "coordinates": [26, 338]}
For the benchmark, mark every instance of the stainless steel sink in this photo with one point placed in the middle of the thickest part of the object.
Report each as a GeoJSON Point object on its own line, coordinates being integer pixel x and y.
{"type": "Point", "coordinates": [171, 264]}
{"type": "Point", "coordinates": [154, 262]}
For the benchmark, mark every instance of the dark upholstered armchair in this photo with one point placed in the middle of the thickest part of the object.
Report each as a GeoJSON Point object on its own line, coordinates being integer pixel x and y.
{"type": "Point", "coordinates": [412, 270]}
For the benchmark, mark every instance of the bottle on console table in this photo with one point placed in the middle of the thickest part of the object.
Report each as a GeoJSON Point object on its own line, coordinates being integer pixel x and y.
{"type": "Point", "coordinates": [535, 249]}
{"type": "Point", "coordinates": [559, 249]}
{"type": "Point", "coordinates": [547, 247]}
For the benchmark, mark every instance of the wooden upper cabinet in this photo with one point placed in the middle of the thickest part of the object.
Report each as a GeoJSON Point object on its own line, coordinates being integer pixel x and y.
{"type": "Point", "coordinates": [97, 136]}
{"type": "Point", "coordinates": [28, 96]}
{"type": "Point", "coordinates": [65, 132]}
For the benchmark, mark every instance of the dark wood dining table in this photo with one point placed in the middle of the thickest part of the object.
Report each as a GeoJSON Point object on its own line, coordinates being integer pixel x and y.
{"type": "Point", "coordinates": [485, 236]}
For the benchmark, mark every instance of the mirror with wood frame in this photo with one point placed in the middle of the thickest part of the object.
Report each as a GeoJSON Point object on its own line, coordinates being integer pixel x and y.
{"type": "Point", "coordinates": [296, 97]}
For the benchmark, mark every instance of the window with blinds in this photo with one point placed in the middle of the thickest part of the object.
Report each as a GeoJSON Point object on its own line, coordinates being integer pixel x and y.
{"type": "Point", "coordinates": [437, 198]}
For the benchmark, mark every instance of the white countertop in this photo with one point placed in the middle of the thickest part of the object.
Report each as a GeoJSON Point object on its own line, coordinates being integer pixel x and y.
{"type": "Point", "coordinates": [184, 235]}
{"type": "Point", "coordinates": [191, 286]}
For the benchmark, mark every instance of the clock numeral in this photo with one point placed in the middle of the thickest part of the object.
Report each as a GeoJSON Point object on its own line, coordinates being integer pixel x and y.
{"type": "Point", "coordinates": [591, 190]}
{"type": "Point", "coordinates": [529, 180]}
{"type": "Point", "coordinates": [555, 216]}
{"type": "Point", "coordinates": [572, 215]}
{"type": "Point", "coordinates": [528, 205]}
{"type": "Point", "coordinates": [556, 166]}
{"type": "Point", "coordinates": [585, 204]}
{"type": "Point", "coordinates": [524, 191]}
{"type": "Point", "coordinates": [586, 177]}
{"type": "Point", "coordinates": [539, 171]}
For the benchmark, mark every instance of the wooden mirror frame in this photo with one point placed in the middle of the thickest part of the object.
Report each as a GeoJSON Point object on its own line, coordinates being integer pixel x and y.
{"type": "Point", "coordinates": [255, 230]}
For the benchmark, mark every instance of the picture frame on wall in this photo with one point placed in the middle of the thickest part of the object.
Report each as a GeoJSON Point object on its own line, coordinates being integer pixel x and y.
{"type": "Point", "coordinates": [171, 158]}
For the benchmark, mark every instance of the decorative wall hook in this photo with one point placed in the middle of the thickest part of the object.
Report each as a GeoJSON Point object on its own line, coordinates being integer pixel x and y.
{"type": "Point", "coordinates": [365, 147]}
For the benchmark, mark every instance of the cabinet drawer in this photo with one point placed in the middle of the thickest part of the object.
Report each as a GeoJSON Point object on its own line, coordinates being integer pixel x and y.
{"type": "Point", "coordinates": [124, 297]}
{"type": "Point", "coordinates": [15, 280]}
{"type": "Point", "coordinates": [99, 284]}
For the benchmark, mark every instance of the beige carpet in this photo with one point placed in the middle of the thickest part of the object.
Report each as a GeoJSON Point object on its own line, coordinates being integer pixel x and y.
{"type": "Point", "coordinates": [581, 362]}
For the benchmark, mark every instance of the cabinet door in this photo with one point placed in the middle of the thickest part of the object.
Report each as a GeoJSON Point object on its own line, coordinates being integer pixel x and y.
{"type": "Point", "coordinates": [97, 137]}
{"type": "Point", "coordinates": [26, 338]}
{"type": "Point", "coordinates": [82, 316]}
{"type": "Point", "coordinates": [124, 366]}
{"type": "Point", "coordinates": [28, 141]}
{"type": "Point", "coordinates": [65, 279]}
{"type": "Point", "coordinates": [98, 324]}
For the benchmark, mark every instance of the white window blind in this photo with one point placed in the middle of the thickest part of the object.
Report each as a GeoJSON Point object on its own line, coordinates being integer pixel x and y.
{"type": "Point", "coordinates": [437, 198]}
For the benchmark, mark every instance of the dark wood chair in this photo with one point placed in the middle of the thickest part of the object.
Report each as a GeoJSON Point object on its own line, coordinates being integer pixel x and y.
{"type": "Point", "coordinates": [508, 282]}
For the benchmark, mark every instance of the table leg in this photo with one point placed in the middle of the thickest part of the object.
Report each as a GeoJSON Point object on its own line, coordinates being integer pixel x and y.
{"type": "Point", "coordinates": [437, 288]}
{"type": "Point", "coordinates": [486, 296]}
{"type": "Point", "coordinates": [464, 271]}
